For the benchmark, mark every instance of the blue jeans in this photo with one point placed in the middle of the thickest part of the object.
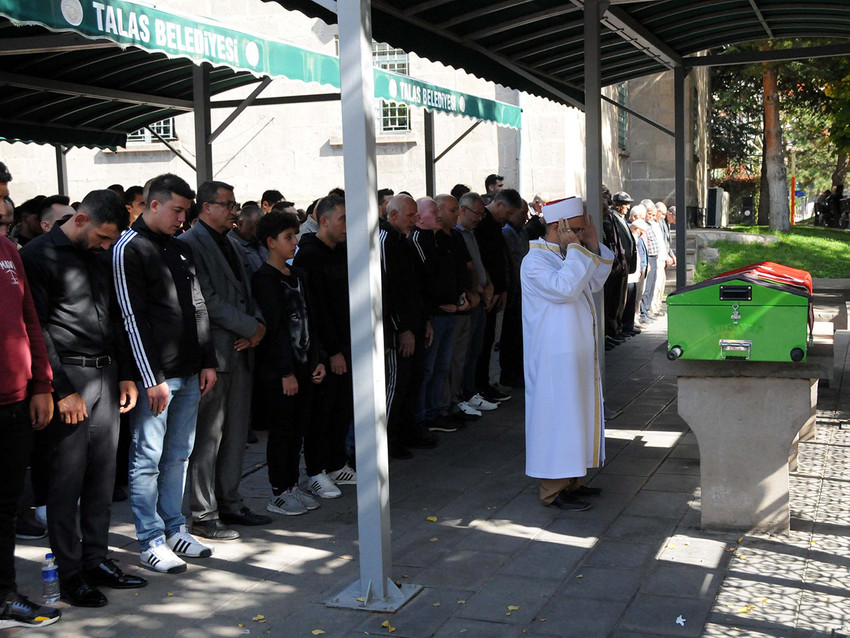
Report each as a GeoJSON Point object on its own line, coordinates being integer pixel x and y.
{"type": "Point", "coordinates": [438, 360]}
{"type": "Point", "coordinates": [159, 455]}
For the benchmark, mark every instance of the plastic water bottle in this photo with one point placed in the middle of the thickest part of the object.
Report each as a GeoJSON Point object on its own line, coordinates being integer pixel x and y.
{"type": "Point", "coordinates": [49, 580]}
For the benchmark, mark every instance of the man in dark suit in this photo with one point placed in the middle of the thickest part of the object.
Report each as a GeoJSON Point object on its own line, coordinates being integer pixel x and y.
{"type": "Point", "coordinates": [622, 203]}
{"type": "Point", "coordinates": [215, 467]}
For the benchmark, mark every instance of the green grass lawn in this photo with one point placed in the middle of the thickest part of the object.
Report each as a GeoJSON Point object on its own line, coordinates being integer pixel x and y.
{"type": "Point", "coordinates": [823, 252]}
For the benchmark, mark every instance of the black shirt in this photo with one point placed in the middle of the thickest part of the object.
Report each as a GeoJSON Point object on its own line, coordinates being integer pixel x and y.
{"type": "Point", "coordinates": [226, 247]}
{"type": "Point", "coordinates": [71, 290]}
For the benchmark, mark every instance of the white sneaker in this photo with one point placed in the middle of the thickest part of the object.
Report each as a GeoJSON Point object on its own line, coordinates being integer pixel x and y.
{"type": "Point", "coordinates": [184, 544]}
{"type": "Point", "coordinates": [41, 515]}
{"type": "Point", "coordinates": [159, 557]}
{"type": "Point", "coordinates": [467, 409]}
{"type": "Point", "coordinates": [323, 487]}
{"type": "Point", "coordinates": [305, 499]}
{"type": "Point", "coordinates": [287, 503]}
{"type": "Point", "coordinates": [343, 476]}
{"type": "Point", "coordinates": [480, 403]}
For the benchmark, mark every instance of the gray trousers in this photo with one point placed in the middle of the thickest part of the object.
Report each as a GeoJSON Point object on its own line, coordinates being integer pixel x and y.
{"type": "Point", "coordinates": [83, 467]}
{"type": "Point", "coordinates": [453, 390]}
{"type": "Point", "coordinates": [215, 467]}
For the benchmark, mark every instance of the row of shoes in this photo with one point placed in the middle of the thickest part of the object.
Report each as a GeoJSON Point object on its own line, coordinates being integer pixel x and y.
{"type": "Point", "coordinates": [422, 435]}
{"type": "Point", "coordinates": [620, 338]}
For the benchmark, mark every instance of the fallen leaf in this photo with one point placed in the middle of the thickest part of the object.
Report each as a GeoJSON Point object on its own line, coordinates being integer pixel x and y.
{"type": "Point", "coordinates": [170, 594]}
{"type": "Point", "coordinates": [580, 576]}
{"type": "Point", "coordinates": [258, 618]}
{"type": "Point", "coordinates": [317, 632]}
{"type": "Point", "coordinates": [436, 604]}
{"type": "Point", "coordinates": [541, 619]}
{"type": "Point", "coordinates": [671, 546]}
{"type": "Point", "coordinates": [745, 609]}
{"type": "Point", "coordinates": [386, 624]}
{"type": "Point", "coordinates": [461, 602]}
{"type": "Point", "coordinates": [740, 538]}
{"type": "Point", "coordinates": [240, 625]}
{"type": "Point", "coordinates": [507, 613]}
{"type": "Point", "coordinates": [431, 519]}
{"type": "Point", "coordinates": [434, 540]}
{"type": "Point", "coordinates": [512, 608]}
{"type": "Point", "coordinates": [764, 601]}
{"type": "Point", "coordinates": [361, 599]}
{"type": "Point", "coordinates": [405, 576]}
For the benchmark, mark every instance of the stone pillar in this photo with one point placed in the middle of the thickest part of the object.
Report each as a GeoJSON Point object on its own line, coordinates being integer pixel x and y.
{"type": "Point", "coordinates": [745, 427]}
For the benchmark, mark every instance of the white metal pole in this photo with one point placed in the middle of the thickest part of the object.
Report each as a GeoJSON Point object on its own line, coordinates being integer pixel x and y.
{"type": "Point", "coordinates": [375, 590]}
{"type": "Point", "coordinates": [593, 11]}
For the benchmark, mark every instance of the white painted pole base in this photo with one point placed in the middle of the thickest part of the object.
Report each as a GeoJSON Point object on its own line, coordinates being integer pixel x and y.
{"type": "Point", "coordinates": [395, 597]}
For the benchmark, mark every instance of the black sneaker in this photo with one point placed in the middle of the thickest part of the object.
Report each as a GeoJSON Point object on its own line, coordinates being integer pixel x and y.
{"type": "Point", "coordinates": [493, 394]}
{"type": "Point", "coordinates": [27, 531]}
{"type": "Point", "coordinates": [443, 424]}
{"type": "Point", "coordinates": [19, 611]}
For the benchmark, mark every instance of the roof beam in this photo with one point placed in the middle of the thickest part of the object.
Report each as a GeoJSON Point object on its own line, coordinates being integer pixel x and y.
{"type": "Point", "coordinates": [623, 24]}
{"type": "Point", "coordinates": [507, 64]}
{"type": "Point", "coordinates": [500, 27]}
{"type": "Point", "coordinates": [83, 90]}
{"type": "Point", "coordinates": [481, 12]}
{"type": "Point", "coordinates": [238, 110]}
{"type": "Point", "coordinates": [273, 101]}
{"type": "Point", "coordinates": [642, 118]}
{"type": "Point", "coordinates": [772, 55]}
{"type": "Point", "coordinates": [759, 15]}
{"type": "Point", "coordinates": [58, 43]}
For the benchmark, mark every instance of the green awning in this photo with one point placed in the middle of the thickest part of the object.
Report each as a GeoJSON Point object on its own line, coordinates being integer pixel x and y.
{"type": "Point", "coordinates": [205, 40]}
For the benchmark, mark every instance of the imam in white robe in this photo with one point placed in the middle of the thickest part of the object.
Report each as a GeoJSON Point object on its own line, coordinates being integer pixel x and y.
{"type": "Point", "coordinates": [564, 420]}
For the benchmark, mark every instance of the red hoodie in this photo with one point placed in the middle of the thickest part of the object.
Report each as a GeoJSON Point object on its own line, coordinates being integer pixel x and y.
{"type": "Point", "coordinates": [24, 368]}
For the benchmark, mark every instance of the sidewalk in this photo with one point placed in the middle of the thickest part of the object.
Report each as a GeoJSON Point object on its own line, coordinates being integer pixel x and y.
{"type": "Point", "coordinates": [497, 564]}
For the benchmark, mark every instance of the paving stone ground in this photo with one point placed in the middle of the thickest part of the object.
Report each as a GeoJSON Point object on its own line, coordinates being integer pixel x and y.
{"type": "Point", "coordinates": [497, 564]}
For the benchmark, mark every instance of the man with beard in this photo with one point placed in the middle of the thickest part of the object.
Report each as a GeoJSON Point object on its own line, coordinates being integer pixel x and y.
{"type": "Point", "coordinates": [71, 291]}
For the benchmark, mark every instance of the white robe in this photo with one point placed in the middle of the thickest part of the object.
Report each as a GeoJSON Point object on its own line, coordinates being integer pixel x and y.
{"type": "Point", "coordinates": [564, 420]}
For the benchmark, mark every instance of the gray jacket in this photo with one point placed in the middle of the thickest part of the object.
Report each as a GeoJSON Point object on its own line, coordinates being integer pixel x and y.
{"type": "Point", "coordinates": [232, 311]}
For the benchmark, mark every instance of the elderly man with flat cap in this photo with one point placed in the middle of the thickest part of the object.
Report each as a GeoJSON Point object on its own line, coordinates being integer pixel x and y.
{"type": "Point", "coordinates": [564, 415]}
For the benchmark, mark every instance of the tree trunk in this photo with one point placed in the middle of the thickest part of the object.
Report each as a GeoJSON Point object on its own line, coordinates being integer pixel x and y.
{"type": "Point", "coordinates": [840, 173]}
{"type": "Point", "coordinates": [779, 213]}
{"type": "Point", "coordinates": [763, 216]}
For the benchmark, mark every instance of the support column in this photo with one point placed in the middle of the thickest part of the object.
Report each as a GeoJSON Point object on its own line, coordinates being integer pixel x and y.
{"type": "Point", "coordinates": [375, 591]}
{"type": "Point", "coordinates": [679, 143]}
{"type": "Point", "coordinates": [203, 126]}
{"type": "Point", "coordinates": [430, 169]}
{"type": "Point", "coordinates": [61, 170]}
{"type": "Point", "coordinates": [593, 11]}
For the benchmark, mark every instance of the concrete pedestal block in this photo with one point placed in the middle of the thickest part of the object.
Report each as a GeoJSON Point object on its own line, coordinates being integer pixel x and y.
{"type": "Point", "coordinates": [745, 427]}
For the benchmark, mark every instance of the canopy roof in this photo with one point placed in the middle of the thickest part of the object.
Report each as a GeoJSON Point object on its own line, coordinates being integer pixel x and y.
{"type": "Point", "coordinates": [62, 88]}
{"type": "Point", "coordinates": [537, 46]}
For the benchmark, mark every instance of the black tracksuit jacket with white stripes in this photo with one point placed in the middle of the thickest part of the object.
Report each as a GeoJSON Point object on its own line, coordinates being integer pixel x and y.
{"type": "Point", "coordinates": [403, 299]}
{"type": "Point", "coordinates": [163, 310]}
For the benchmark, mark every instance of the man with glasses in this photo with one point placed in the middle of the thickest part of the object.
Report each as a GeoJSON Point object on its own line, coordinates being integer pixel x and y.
{"type": "Point", "coordinates": [215, 468]}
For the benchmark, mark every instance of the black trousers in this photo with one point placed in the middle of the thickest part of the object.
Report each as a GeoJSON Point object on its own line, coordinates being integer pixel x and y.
{"type": "Point", "coordinates": [83, 468]}
{"type": "Point", "coordinates": [404, 382]}
{"type": "Point", "coordinates": [510, 342]}
{"type": "Point", "coordinates": [332, 414]}
{"type": "Point", "coordinates": [482, 368]}
{"type": "Point", "coordinates": [287, 418]}
{"type": "Point", "coordinates": [629, 311]}
{"type": "Point", "coordinates": [615, 297]}
{"type": "Point", "coordinates": [17, 433]}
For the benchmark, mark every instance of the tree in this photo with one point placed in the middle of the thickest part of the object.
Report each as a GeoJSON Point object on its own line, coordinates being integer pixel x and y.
{"type": "Point", "coordinates": [773, 202]}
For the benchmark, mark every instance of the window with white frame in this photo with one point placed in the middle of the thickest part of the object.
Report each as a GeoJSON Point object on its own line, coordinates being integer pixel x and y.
{"type": "Point", "coordinates": [393, 117]}
{"type": "Point", "coordinates": [164, 128]}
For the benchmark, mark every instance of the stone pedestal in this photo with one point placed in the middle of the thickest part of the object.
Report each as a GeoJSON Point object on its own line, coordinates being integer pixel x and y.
{"type": "Point", "coordinates": [745, 427]}
{"type": "Point", "coordinates": [746, 416]}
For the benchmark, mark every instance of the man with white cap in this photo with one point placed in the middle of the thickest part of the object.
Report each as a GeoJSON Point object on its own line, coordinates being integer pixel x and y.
{"type": "Point", "coordinates": [564, 420]}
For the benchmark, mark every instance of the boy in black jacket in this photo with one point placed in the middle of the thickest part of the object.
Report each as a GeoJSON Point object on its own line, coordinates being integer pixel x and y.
{"type": "Point", "coordinates": [288, 365]}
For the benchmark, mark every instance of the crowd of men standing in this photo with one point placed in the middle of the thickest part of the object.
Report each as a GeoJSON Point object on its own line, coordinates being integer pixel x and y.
{"type": "Point", "coordinates": [130, 327]}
